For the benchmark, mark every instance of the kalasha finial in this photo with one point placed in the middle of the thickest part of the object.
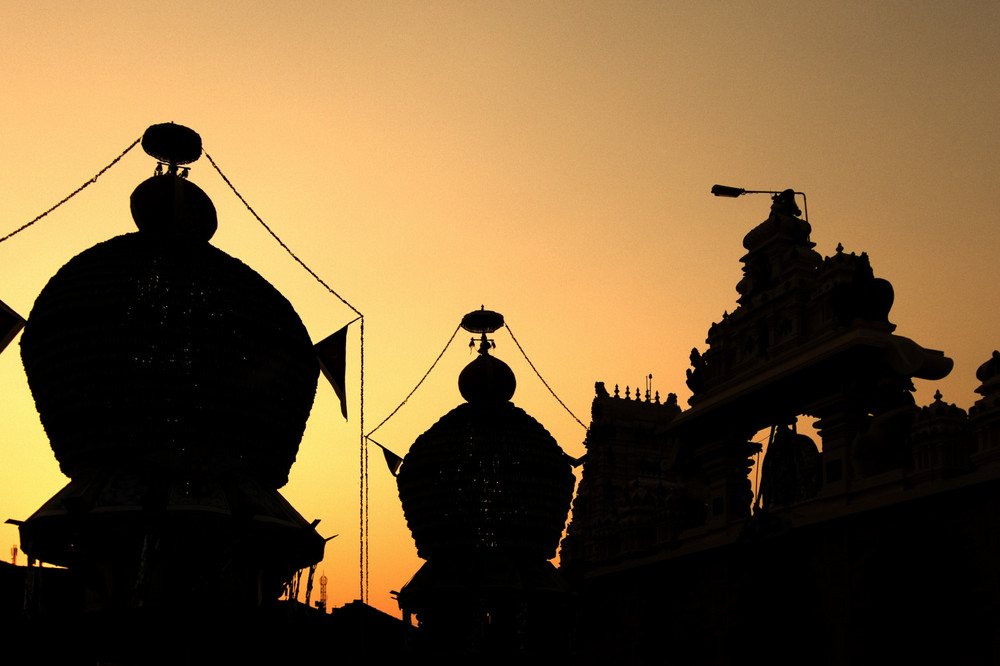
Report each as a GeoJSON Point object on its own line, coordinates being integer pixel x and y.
{"type": "Point", "coordinates": [482, 321]}
{"type": "Point", "coordinates": [487, 379]}
{"type": "Point", "coordinates": [171, 145]}
{"type": "Point", "coordinates": [168, 204]}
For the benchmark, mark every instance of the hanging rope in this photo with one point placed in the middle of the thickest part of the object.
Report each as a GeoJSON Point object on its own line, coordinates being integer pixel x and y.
{"type": "Point", "coordinates": [410, 394]}
{"type": "Point", "coordinates": [74, 192]}
{"type": "Point", "coordinates": [363, 453]}
{"type": "Point", "coordinates": [539, 375]}
{"type": "Point", "coordinates": [281, 242]}
{"type": "Point", "coordinates": [364, 464]}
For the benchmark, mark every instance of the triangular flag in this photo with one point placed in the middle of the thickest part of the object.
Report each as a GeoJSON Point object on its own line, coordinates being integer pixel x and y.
{"type": "Point", "coordinates": [391, 459]}
{"type": "Point", "coordinates": [332, 355]}
{"type": "Point", "coordinates": [10, 324]}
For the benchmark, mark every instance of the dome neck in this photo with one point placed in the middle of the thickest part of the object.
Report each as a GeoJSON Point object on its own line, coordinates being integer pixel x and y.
{"type": "Point", "coordinates": [485, 345]}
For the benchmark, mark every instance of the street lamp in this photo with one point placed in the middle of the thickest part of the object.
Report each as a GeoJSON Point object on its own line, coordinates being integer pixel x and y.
{"type": "Point", "coordinates": [733, 192]}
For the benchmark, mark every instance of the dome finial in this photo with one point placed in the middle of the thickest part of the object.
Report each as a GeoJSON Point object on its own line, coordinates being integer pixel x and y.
{"type": "Point", "coordinates": [486, 379]}
{"type": "Point", "coordinates": [171, 145]}
{"type": "Point", "coordinates": [482, 321]}
{"type": "Point", "coordinates": [168, 204]}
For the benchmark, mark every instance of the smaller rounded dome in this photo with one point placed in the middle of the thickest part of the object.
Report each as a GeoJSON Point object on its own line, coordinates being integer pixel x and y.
{"type": "Point", "coordinates": [487, 379]}
{"type": "Point", "coordinates": [169, 205]}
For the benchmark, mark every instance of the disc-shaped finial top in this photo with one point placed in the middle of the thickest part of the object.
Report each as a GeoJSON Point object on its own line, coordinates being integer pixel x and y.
{"type": "Point", "coordinates": [171, 143]}
{"type": "Point", "coordinates": [482, 321]}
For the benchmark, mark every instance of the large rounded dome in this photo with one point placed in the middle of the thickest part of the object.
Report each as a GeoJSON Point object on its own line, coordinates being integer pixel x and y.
{"type": "Point", "coordinates": [168, 349]}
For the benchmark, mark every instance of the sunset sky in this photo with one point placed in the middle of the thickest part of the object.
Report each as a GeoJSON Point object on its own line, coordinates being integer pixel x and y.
{"type": "Point", "coordinates": [549, 160]}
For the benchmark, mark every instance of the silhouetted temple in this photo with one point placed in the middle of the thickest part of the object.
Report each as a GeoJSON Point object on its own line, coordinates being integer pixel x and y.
{"type": "Point", "coordinates": [486, 491]}
{"type": "Point", "coordinates": [174, 384]}
{"type": "Point", "coordinates": [880, 547]}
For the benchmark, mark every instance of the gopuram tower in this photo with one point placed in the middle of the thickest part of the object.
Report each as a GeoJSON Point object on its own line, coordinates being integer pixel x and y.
{"type": "Point", "coordinates": [871, 537]}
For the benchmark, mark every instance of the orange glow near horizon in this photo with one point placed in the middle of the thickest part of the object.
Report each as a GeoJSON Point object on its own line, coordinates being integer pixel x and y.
{"type": "Point", "coordinates": [549, 160]}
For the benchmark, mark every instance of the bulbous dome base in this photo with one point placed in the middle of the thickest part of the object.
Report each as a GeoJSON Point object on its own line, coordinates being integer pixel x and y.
{"type": "Point", "coordinates": [175, 352]}
{"type": "Point", "coordinates": [486, 477]}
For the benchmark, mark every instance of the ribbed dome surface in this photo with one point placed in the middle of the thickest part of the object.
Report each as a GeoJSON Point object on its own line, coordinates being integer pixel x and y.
{"type": "Point", "coordinates": [486, 476]}
{"type": "Point", "coordinates": [173, 351]}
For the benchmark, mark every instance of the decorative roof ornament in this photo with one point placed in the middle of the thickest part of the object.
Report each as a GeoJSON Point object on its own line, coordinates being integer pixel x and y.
{"type": "Point", "coordinates": [172, 145]}
{"type": "Point", "coordinates": [783, 203]}
{"type": "Point", "coordinates": [482, 321]}
{"type": "Point", "coordinates": [486, 475]}
{"type": "Point", "coordinates": [169, 205]}
{"type": "Point", "coordinates": [487, 378]}
{"type": "Point", "coordinates": [989, 376]}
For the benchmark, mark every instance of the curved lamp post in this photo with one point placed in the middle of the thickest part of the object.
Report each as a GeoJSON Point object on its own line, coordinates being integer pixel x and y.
{"type": "Point", "coordinates": [733, 192]}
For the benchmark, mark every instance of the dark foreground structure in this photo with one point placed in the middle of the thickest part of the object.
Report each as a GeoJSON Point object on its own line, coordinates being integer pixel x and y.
{"type": "Point", "coordinates": [486, 491]}
{"type": "Point", "coordinates": [880, 546]}
{"type": "Point", "coordinates": [174, 384]}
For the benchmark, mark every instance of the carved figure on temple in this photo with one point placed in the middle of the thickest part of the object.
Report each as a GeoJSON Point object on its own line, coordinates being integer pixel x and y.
{"type": "Point", "coordinates": [882, 442]}
{"type": "Point", "coordinates": [790, 471]}
{"type": "Point", "coordinates": [694, 373]}
{"type": "Point", "coordinates": [784, 203]}
{"type": "Point", "coordinates": [990, 368]}
{"type": "Point", "coordinates": [865, 297]}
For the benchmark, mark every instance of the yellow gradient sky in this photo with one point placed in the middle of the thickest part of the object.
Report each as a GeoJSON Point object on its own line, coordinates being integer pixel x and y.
{"type": "Point", "coordinates": [551, 160]}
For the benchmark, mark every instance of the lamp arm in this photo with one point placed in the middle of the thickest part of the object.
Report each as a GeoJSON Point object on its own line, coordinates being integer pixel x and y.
{"type": "Point", "coordinates": [726, 191]}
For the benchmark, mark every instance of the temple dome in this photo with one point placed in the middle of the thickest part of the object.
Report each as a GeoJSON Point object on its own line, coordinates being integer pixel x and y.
{"type": "Point", "coordinates": [486, 477]}
{"type": "Point", "coordinates": [155, 345]}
